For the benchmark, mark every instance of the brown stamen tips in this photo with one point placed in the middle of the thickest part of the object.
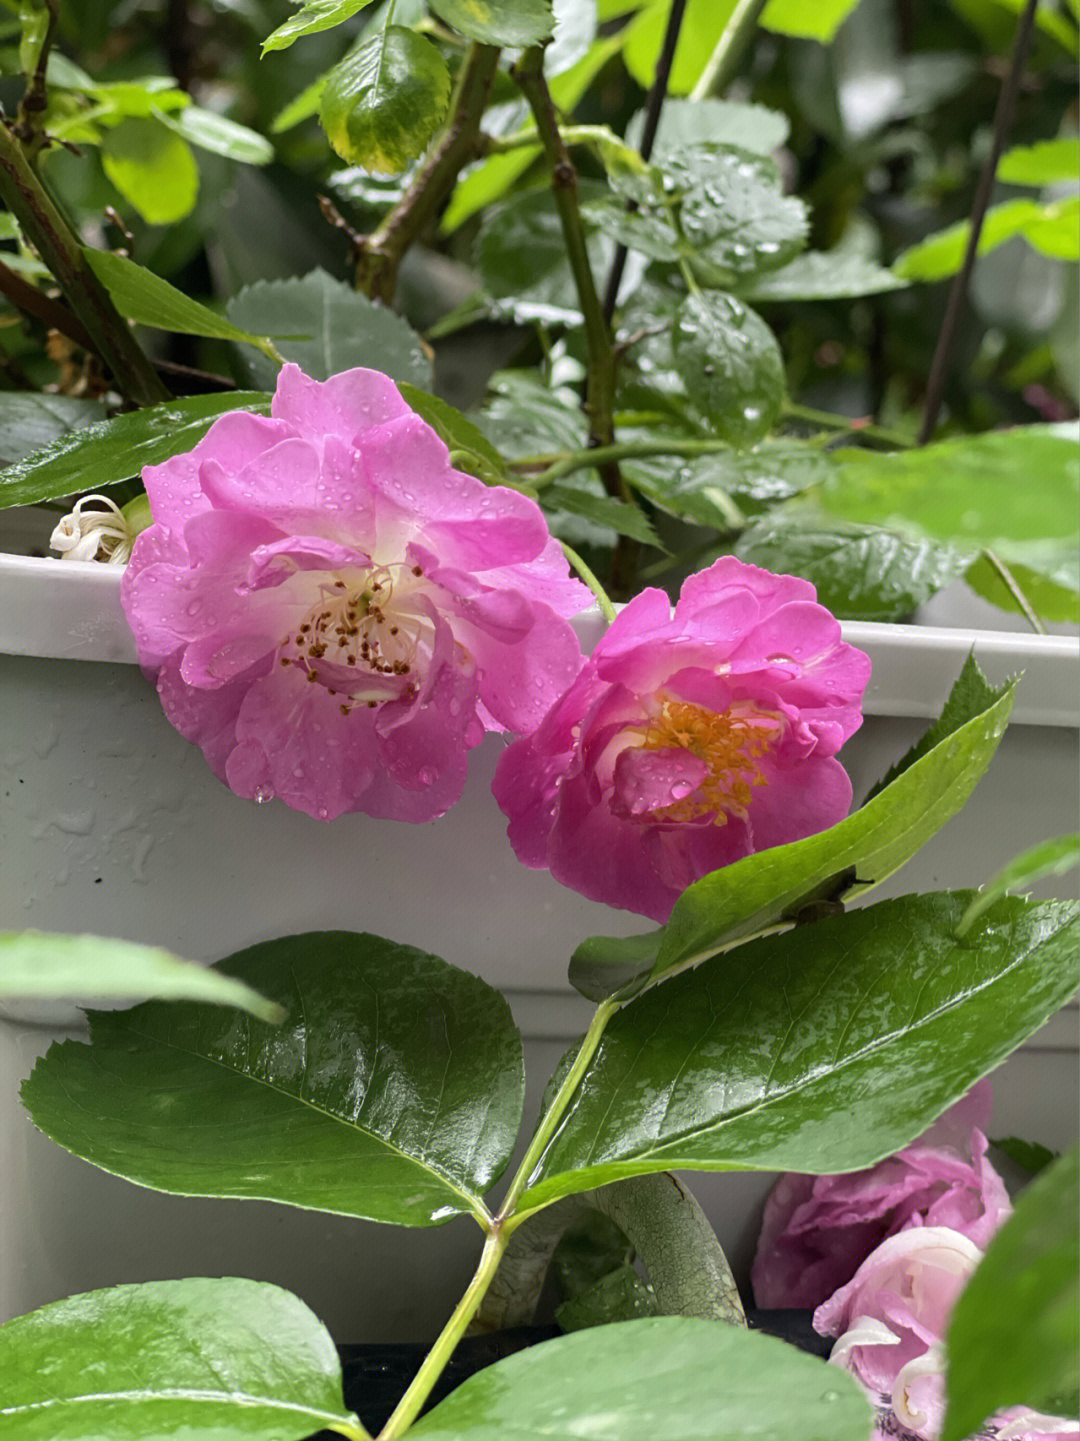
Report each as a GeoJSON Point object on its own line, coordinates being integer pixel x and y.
{"type": "Point", "coordinates": [350, 660]}
{"type": "Point", "coordinates": [417, 570]}
{"type": "Point", "coordinates": [311, 677]}
{"type": "Point", "coordinates": [393, 630]}
{"type": "Point", "coordinates": [372, 704]}
{"type": "Point", "coordinates": [345, 709]}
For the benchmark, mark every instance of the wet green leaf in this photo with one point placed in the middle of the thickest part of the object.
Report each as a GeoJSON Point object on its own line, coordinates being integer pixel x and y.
{"type": "Point", "coordinates": [1013, 1335]}
{"type": "Point", "coordinates": [34, 964]}
{"type": "Point", "coordinates": [1049, 858]}
{"type": "Point", "coordinates": [385, 101]}
{"type": "Point", "coordinates": [734, 214]}
{"type": "Point", "coordinates": [630, 1381]}
{"type": "Point", "coordinates": [823, 1049]}
{"type": "Point", "coordinates": [731, 365]}
{"type": "Point", "coordinates": [603, 510]}
{"type": "Point", "coordinates": [31, 419]}
{"type": "Point", "coordinates": [722, 122]}
{"type": "Point", "coordinates": [499, 22]}
{"type": "Point", "coordinates": [210, 131]}
{"type": "Point", "coordinates": [313, 16]}
{"type": "Point", "coordinates": [100, 455]}
{"type": "Point", "coordinates": [621, 1295]}
{"type": "Point", "coordinates": [211, 1360]}
{"type": "Point", "coordinates": [861, 572]}
{"type": "Point", "coordinates": [824, 275]}
{"type": "Point", "coordinates": [394, 1091]}
{"type": "Point", "coordinates": [1054, 597]}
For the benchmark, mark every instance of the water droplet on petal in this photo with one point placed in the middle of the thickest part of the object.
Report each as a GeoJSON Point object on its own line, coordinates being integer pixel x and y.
{"type": "Point", "coordinates": [263, 793]}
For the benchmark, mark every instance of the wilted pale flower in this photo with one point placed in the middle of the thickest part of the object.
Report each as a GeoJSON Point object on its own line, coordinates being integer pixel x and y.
{"type": "Point", "coordinates": [336, 615]}
{"type": "Point", "coordinates": [94, 529]}
{"type": "Point", "coordinates": [891, 1319]}
{"type": "Point", "coordinates": [689, 740]}
{"type": "Point", "coordinates": [816, 1230]}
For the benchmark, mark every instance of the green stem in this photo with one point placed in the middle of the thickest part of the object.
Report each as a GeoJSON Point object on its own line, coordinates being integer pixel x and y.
{"type": "Point", "coordinates": [602, 598]}
{"type": "Point", "coordinates": [729, 49]}
{"type": "Point", "coordinates": [42, 223]}
{"type": "Point", "coordinates": [502, 1228]}
{"type": "Point", "coordinates": [530, 139]}
{"type": "Point", "coordinates": [554, 466]}
{"type": "Point", "coordinates": [381, 252]}
{"type": "Point", "coordinates": [829, 421]}
{"type": "Point", "coordinates": [1012, 585]}
{"type": "Point", "coordinates": [411, 1404]}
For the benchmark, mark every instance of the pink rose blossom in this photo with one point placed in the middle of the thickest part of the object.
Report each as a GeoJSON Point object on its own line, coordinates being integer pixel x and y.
{"type": "Point", "coordinates": [890, 1320]}
{"type": "Point", "coordinates": [816, 1230]}
{"type": "Point", "coordinates": [334, 614]}
{"type": "Point", "coordinates": [689, 741]}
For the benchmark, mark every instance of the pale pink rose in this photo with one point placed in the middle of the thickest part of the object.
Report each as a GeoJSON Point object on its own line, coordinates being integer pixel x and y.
{"type": "Point", "coordinates": [816, 1230]}
{"type": "Point", "coordinates": [890, 1320]}
{"type": "Point", "coordinates": [334, 614]}
{"type": "Point", "coordinates": [689, 741]}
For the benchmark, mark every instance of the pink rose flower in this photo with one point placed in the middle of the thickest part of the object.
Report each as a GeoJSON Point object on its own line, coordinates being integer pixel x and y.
{"type": "Point", "coordinates": [689, 740]}
{"type": "Point", "coordinates": [334, 614]}
{"type": "Point", "coordinates": [890, 1320]}
{"type": "Point", "coordinates": [816, 1230]}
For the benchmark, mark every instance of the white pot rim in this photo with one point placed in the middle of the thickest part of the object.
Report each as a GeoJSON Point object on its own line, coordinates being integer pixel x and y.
{"type": "Point", "coordinates": [70, 610]}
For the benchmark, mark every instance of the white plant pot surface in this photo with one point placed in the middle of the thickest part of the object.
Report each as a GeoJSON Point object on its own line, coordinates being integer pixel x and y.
{"type": "Point", "coordinates": [112, 824]}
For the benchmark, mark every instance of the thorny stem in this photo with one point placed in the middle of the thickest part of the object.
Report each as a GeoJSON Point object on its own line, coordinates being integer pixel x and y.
{"type": "Point", "coordinates": [954, 307]}
{"type": "Point", "coordinates": [501, 1229]}
{"type": "Point", "coordinates": [653, 106]}
{"type": "Point", "coordinates": [729, 49]}
{"type": "Point", "coordinates": [601, 358]}
{"type": "Point", "coordinates": [381, 253]}
{"type": "Point", "coordinates": [35, 98]}
{"type": "Point", "coordinates": [42, 223]}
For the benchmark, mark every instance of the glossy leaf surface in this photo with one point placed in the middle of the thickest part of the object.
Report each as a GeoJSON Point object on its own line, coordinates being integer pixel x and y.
{"type": "Point", "coordinates": [860, 572]}
{"type": "Point", "coordinates": [393, 1091]}
{"type": "Point", "coordinates": [29, 421]}
{"type": "Point", "coordinates": [629, 1382]}
{"type": "Point", "coordinates": [820, 1050]}
{"type": "Point", "coordinates": [340, 328]}
{"type": "Point", "coordinates": [144, 297]}
{"type": "Point", "coordinates": [723, 122]}
{"type": "Point", "coordinates": [499, 22]}
{"type": "Point", "coordinates": [742, 899]}
{"type": "Point", "coordinates": [384, 102]}
{"type": "Point", "coordinates": [110, 451]}
{"type": "Point", "coordinates": [208, 1360]}
{"type": "Point", "coordinates": [312, 16]}
{"type": "Point", "coordinates": [731, 365]}
{"type": "Point", "coordinates": [1050, 858]}
{"type": "Point", "coordinates": [1013, 1336]}
{"type": "Point", "coordinates": [211, 131]}
{"type": "Point", "coordinates": [37, 964]}
{"type": "Point", "coordinates": [824, 275]}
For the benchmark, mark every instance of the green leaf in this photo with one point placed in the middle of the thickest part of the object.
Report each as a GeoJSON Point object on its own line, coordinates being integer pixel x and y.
{"type": "Point", "coordinates": [861, 572]}
{"type": "Point", "coordinates": [744, 898]}
{"type": "Point", "coordinates": [703, 24]}
{"type": "Point", "coordinates": [521, 257]}
{"type": "Point", "coordinates": [824, 1049]}
{"type": "Point", "coordinates": [727, 487]}
{"type": "Point", "coordinates": [104, 454]}
{"type": "Point", "coordinates": [212, 1360]}
{"type": "Point", "coordinates": [386, 100]}
{"type": "Point", "coordinates": [755, 128]}
{"type": "Point", "coordinates": [824, 275]}
{"type": "Point", "coordinates": [1049, 227]}
{"type": "Point", "coordinates": [1013, 1335]}
{"type": "Point", "coordinates": [469, 446]}
{"type": "Point", "coordinates": [665, 1378]}
{"type": "Point", "coordinates": [1047, 162]}
{"type": "Point", "coordinates": [604, 510]}
{"type": "Point", "coordinates": [394, 1093]}
{"type": "Point", "coordinates": [499, 22]}
{"type": "Point", "coordinates": [153, 169]}
{"type": "Point", "coordinates": [312, 16]}
{"type": "Point", "coordinates": [1049, 858]}
{"type": "Point", "coordinates": [29, 420]}
{"type": "Point", "coordinates": [340, 328]}
{"type": "Point", "coordinates": [1014, 492]}
{"type": "Point", "coordinates": [969, 697]}
{"type": "Point", "coordinates": [36, 964]}
{"type": "Point", "coordinates": [1049, 596]}
{"type": "Point", "coordinates": [731, 365]}
{"type": "Point", "coordinates": [526, 417]}
{"type": "Point", "coordinates": [144, 297]}
{"type": "Point", "coordinates": [139, 99]}
{"type": "Point", "coordinates": [621, 1295]}
{"type": "Point", "coordinates": [1031, 1155]}
{"type": "Point", "coordinates": [734, 214]}
{"type": "Point", "coordinates": [210, 131]}
{"type": "Point", "coordinates": [818, 21]}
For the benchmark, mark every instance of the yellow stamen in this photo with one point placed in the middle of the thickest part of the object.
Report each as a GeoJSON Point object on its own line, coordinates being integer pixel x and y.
{"type": "Point", "coordinates": [729, 742]}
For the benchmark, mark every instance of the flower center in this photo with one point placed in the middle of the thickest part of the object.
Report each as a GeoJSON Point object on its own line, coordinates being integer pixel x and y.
{"type": "Point", "coordinates": [729, 742]}
{"type": "Point", "coordinates": [355, 627]}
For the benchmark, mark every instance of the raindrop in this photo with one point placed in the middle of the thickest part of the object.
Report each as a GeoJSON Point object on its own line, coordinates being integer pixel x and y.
{"type": "Point", "coordinates": [780, 660]}
{"type": "Point", "coordinates": [680, 790]}
{"type": "Point", "coordinates": [263, 793]}
{"type": "Point", "coordinates": [425, 775]}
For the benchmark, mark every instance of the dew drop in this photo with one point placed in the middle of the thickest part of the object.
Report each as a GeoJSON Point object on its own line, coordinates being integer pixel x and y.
{"type": "Point", "coordinates": [263, 793]}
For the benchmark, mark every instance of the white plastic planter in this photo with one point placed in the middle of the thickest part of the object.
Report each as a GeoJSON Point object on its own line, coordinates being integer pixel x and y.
{"type": "Point", "coordinates": [110, 823]}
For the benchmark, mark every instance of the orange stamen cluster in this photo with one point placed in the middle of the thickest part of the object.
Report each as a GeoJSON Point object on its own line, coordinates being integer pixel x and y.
{"type": "Point", "coordinates": [729, 742]}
